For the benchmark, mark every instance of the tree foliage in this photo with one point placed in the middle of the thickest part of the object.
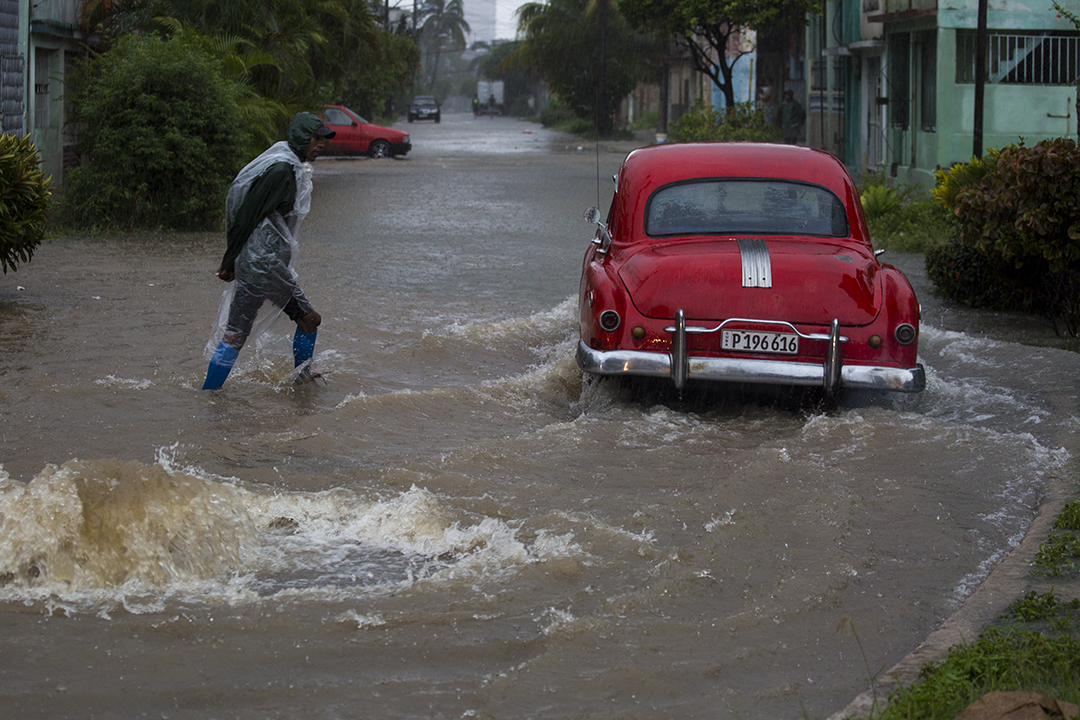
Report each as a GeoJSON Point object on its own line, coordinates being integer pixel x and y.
{"type": "Point", "coordinates": [389, 62]}
{"type": "Point", "coordinates": [709, 28]}
{"type": "Point", "coordinates": [161, 134]}
{"type": "Point", "coordinates": [298, 54]}
{"type": "Point", "coordinates": [560, 40]}
{"type": "Point", "coordinates": [24, 201]}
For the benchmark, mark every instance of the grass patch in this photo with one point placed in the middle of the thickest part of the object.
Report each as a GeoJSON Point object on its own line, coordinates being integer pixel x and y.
{"type": "Point", "coordinates": [1069, 519]}
{"type": "Point", "coordinates": [1002, 659]}
{"type": "Point", "coordinates": [1060, 553]}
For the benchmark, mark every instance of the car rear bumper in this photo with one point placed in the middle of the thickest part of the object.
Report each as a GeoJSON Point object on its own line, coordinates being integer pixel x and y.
{"type": "Point", "coordinates": [748, 370]}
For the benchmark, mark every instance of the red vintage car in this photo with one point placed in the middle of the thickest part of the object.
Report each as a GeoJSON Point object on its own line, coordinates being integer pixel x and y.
{"type": "Point", "coordinates": [356, 136]}
{"type": "Point", "coordinates": [746, 263]}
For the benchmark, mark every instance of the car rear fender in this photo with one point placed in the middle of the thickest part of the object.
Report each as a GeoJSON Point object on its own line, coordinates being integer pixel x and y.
{"type": "Point", "coordinates": [601, 292]}
{"type": "Point", "coordinates": [901, 307]}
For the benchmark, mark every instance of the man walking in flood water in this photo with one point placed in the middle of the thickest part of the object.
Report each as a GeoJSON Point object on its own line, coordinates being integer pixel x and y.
{"type": "Point", "coordinates": [265, 205]}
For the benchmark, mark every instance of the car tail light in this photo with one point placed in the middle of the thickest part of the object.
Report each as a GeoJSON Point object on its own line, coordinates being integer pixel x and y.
{"type": "Point", "coordinates": [904, 333]}
{"type": "Point", "coordinates": [610, 320]}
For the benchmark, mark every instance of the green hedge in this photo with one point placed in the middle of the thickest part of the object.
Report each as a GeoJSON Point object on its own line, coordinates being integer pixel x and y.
{"type": "Point", "coordinates": [1017, 215]}
{"type": "Point", "coordinates": [24, 201]}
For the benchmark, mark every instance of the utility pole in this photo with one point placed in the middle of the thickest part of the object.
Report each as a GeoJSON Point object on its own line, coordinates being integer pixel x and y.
{"type": "Point", "coordinates": [603, 119]}
{"type": "Point", "coordinates": [980, 81]}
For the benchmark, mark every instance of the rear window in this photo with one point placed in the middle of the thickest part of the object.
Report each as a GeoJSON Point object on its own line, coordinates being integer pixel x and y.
{"type": "Point", "coordinates": [745, 207]}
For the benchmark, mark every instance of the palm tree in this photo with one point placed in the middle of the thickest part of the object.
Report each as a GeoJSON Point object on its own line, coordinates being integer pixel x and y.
{"type": "Point", "coordinates": [443, 28]}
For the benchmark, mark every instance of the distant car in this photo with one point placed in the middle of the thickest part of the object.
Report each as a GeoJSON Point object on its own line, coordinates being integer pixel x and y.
{"type": "Point", "coordinates": [356, 136]}
{"type": "Point", "coordinates": [747, 263]}
{"type": "Point", "coordinates": [424, 107]}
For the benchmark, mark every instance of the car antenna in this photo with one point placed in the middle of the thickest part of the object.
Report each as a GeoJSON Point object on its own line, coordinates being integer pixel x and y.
{"type": "Point", "coordinates": [598, 170]}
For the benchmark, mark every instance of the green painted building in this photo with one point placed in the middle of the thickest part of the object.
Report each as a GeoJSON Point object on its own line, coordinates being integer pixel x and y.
{"type": "Point", "coordinates": [893, 81]}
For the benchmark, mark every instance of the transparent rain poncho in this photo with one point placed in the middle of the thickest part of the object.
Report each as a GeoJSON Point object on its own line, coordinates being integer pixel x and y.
{"type": "Point", "coordinates": [264, 266]}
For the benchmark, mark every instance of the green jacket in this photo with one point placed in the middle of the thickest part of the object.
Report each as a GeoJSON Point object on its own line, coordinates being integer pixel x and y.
{"type": "Point", "coordinates": [273, 191]}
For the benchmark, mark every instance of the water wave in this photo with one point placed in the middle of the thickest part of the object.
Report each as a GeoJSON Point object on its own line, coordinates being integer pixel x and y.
{"type": "Point", "coordinates": [105, 533]}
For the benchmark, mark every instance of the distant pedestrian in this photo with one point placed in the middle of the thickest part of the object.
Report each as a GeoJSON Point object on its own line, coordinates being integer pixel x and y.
{"type": "Point", "coordinates": [265, 205]}
{"type": "Point", "coordinates": [765, 104]}
{"type": "Point", "coordinates": [792, 118]}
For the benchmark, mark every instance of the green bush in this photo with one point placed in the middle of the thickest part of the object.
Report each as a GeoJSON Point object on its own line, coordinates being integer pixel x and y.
{"type": "Point", "coordinates": [1026, 207]}
{"type": "Point", "coordinates": [161, 135]}
{"type": "Point", "coordinates": [967, 275]}
{"type": "Point", "coordinates": [960, 176]}
{"type": "Point", "coordinates": [904, 219]}
{"type": "Point", "coordinates": [647, 121]}
{"type": "Point", "coordinates": [24, 201]}
{"type": "Point", "coordinates": [555, 114]}
{"type": "Point", "coordinates": [878, 201]}
{"type": "Point", "coordinates": [741, 123]}
{"type": "Point", "coordinates": [1017, 214]}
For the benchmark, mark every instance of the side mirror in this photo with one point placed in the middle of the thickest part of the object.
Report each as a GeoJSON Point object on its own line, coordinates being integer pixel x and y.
{"type": "Point", "coordinates": [603, 237]}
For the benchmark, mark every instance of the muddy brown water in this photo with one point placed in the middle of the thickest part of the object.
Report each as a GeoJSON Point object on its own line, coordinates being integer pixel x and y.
{"type": "Point", "coordinates": [454, 524]}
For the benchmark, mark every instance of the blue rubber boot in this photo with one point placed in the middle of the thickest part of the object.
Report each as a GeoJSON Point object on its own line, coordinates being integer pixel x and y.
{"type": "Point", "coordinates": [303, 347]}
{"type": "Point", "coordinates": [220, 365]}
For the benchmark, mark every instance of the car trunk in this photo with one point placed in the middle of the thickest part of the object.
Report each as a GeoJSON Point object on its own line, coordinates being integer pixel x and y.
{"type": "Point", "coordinates": [813, 281]}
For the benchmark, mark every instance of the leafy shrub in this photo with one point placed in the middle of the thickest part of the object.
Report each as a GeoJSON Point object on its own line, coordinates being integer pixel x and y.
{"type": "Point", "coordinates": [1018, 217]}
{"type": "Point", "coordinates": [878, 200]}
{"type": "Point", "coordinates": [574, 126]}
{"type": "Point", "coordinates": [647, 121]}
{"type": "Point", "coordinates": [741, 123]}
{"type": "Point", "coordinates": [24, 201]}
{"type": "Point", "coordinates": [967, 275]}
{"type": "Point", "coordinates": [556, 113]}
{"type": "Point", "coordinates": [161, 135]}
{"type": "Point", "coordinates": [1027, 205]}
{"type": "Point", "coordinates": [960, 176]}
{"type": "Point", "coordinates": [904, 219]}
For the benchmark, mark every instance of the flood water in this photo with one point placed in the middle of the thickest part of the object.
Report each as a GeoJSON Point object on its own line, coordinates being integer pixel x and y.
{"type": "Point", "coordinates": [454, 524]}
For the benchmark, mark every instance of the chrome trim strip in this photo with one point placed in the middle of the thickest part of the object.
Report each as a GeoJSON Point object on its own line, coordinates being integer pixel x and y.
{"type": "Point", "coordinates": [699, 330]}
{"type": "Point", "coordinates": [647, 364]}
{"type": "Point", "coordinates": [756, 265]}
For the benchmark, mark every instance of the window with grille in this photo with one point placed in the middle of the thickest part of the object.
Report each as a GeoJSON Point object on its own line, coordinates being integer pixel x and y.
{"type": "Point", "coordinates": [42, 58]}
{"type": "Point", "coordinates": [1019, 58]}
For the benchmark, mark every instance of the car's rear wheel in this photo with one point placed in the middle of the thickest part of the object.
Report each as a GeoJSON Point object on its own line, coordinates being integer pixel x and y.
{"type": "Point", "coordinates": [410, 118]}
{"type": "Point", "coordinates": [438, 118]}
{"type": "Point", "coordinates": [379, 149]}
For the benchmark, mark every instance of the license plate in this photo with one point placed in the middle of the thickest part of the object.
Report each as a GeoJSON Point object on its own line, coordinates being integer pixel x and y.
{"type": "Point", "coordinates": [760, 342]}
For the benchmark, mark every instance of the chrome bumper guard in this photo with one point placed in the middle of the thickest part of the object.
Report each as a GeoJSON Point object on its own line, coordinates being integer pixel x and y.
{"type": "Point", "coordinates": [680, 366]}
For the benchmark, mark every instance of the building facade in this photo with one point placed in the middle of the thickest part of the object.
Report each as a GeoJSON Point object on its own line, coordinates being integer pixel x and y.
{"type": "Point", "coordinates": [907, 73]}
{"type": "Point", "coordinates": [39, 45]}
